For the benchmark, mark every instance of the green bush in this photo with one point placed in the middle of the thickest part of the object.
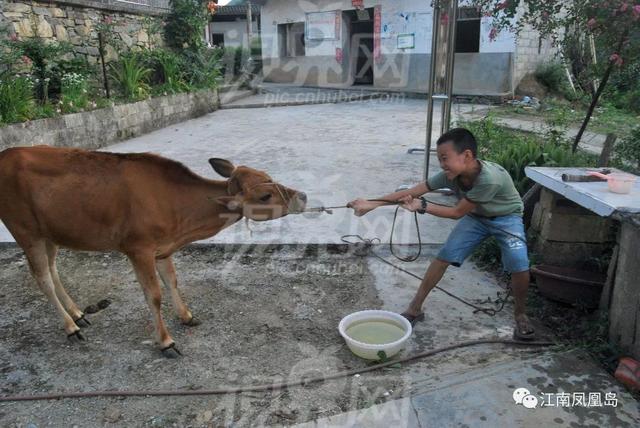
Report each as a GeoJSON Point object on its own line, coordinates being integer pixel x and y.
{"type": "Point", "coordinates": [74, 95]}
{"type": "Point", "coordinates": [623, 90]}
{"type": "Point", "coordinates": [627, 151]}
{"type": "Point", "coordinates": [16, 99]}
{"type": "Point", "coordinates": [46, 59]}
{"type": "Point", "coordinates": [202, 69]}
{"type": "Point", "coordinates": [516, 150]}
{"type": "Point", "coordinates": [167, 75]}
{"type": "Point", "coordinates": [554, 77]}
{"type": "Point", "coordinates": [233, 60]}
{"type": "Point", "coordinates": [130, 75]}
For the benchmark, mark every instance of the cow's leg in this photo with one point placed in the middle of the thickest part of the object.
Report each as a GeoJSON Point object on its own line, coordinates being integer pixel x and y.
{"type": "Point", "coordinates": [167, 272]}
{"type": "Point", "coordinates": [36, 253]}
{"type": "Point", "coordinates": [144, 265]}
{"type": "Point", "coordinates": [69, 304]}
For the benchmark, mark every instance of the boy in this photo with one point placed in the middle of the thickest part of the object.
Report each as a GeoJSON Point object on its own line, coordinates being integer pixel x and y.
{"type": "Point", "coordinates": [489, 205]}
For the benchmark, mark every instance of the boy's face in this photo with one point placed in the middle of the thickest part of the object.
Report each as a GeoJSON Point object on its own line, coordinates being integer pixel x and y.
{"type": "Point", "coordinates": [452, 162]}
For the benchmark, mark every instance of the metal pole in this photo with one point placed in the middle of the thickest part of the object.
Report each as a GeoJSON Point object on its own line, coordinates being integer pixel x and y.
{"type": "Point", "coordinates": [432, 73]}
{"type": "Point", "coordinates": [453, 13]}
{"type": "Point", "coordinates": [249, 26]}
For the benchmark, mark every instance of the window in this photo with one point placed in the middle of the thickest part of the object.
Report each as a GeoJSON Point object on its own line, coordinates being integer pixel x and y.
{"type": "Point", "coordinates": [217, 39]}
{"type": "Point", "coordinates": [468, 30]}
{"type": "Point", "coordinates": [291, 39]}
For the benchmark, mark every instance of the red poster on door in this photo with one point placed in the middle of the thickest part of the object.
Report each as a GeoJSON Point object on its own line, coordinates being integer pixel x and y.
{"type": "Point", "coordinates": [339, 55]}
{"type": "Point", "coordinates": [377, 26]}
{"type": "Point", "coordinates": [358, 4]}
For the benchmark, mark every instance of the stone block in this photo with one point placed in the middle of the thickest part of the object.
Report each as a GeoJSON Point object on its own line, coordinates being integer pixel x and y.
{"type": "Point", "coordinates": [548, 199]}
{"type": "Point", "coordinates": [42, 11]}
{"type": "Point", "coordinates": [24, 28]}
{"type": "Point", "coordinates": [61, 33]}
{"type": "Point", "coordinates": [13, 15]}
{"type": "Point", "coordinates": [83, 30]}
{"type": "Point", "coordinates": [17, 7]}
{"type": "Point", "coordinates": [568, 254]}
{"type": "Point", "coordinates": [536, 217]}
{"type": "Point", "coordinates": [560, 227]}
{"type": "Point", "coordinates": [58, 13]}
{"type": "Point", "coordinates": [44, 28]}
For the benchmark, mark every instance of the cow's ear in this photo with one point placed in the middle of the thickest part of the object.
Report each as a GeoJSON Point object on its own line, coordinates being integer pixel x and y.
{"type": "Point", "coordinates": [230, 202]}
{"type": "Point", "coordinates": [222, 166]}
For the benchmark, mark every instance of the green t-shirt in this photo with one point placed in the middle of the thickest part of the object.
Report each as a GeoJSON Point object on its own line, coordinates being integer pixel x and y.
{"type": "Point", "coordinates": [493, 191]}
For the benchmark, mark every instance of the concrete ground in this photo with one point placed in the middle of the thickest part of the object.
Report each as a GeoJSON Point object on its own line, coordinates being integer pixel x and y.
{"type": "Point", "coordinates": [334, 152]}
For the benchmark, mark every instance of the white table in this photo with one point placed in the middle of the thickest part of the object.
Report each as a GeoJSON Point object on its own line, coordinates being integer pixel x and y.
{"type": "Point", "coordinates": [594, 196]}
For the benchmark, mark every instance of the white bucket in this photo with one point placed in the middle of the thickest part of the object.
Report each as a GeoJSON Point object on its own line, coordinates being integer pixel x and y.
{"type": "Point", "coordinates": [370, 351]}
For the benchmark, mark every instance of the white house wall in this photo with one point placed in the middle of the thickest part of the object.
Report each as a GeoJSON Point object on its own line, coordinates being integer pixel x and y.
{"type": "Point", "coordinates": [488, 72]}
{"type": "Point", "coordinates": [235, 33]}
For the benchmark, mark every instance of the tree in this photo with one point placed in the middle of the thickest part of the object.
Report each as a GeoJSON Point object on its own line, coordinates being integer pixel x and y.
{"type": "Point", "coordinates": [614, 25]}
{"type": "Point", "coordinates": [185, 25]}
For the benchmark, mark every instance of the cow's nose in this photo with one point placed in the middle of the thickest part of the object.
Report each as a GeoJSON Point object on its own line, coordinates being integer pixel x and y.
{"type": "Point", "coordinates": [302, 196]}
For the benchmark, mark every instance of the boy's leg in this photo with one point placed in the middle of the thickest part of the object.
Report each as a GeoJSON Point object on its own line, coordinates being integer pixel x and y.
{"type": "Point", "coordinates": [462, 240]}
{"type": "Point", "coordinates": [434, 274]}
{"type": "Point", "coordinates": [520, 286]}
{"type": "Point", "coordinates": [509, 232]}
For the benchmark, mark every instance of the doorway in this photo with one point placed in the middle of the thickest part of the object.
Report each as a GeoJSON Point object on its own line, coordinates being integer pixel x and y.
{"type": "Point", "coordinates": [361, 45]}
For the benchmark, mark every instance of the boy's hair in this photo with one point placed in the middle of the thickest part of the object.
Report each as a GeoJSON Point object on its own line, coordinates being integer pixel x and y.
{"type": "Point", "coordinates": [462, 140]}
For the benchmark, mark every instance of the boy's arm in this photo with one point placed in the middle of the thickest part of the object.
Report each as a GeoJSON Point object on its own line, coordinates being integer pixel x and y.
{"type": "Point", "coordinates": [363, 206]}
{"type": "Point", "coordinates": [463, 207]}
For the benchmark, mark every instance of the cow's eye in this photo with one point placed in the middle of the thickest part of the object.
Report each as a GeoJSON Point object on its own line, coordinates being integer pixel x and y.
{"type": "Point", "coordinates": [265, 198]}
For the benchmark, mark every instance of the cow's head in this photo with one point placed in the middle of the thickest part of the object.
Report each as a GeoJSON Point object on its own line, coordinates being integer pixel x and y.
{"type": "Point", "coordinates": [254, 194]}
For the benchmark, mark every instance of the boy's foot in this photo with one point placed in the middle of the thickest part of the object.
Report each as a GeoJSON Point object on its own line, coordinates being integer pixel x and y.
{"type": "Point", "coordinates": [413, 319]}
{"type": "Point", "coordinates": [523, 330]}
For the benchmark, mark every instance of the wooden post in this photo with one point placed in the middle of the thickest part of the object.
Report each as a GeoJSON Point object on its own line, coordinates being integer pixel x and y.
{"type": "Point", "coordinates": [607, 149]}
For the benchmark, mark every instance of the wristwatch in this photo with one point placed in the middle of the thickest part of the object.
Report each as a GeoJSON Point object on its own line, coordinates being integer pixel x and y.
{"type": "Point", "coordinates": [423, 208]}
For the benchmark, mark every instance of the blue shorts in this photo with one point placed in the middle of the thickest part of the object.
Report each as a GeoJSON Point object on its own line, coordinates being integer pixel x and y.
{"type": "Point", "coordinates": [471, 231]}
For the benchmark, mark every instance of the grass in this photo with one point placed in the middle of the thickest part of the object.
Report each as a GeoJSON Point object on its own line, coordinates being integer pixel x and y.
{"type": "Point", "coordinates": [606, 118]}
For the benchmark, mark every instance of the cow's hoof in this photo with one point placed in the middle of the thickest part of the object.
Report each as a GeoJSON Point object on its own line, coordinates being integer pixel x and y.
{"type": "Point", "coordinates": [76, 337]}
{"type": "Point", "coordinates": [171, 351]}
{"type": "Point", "coordinates": [91, 309]}
{"type": "Point", "coordinates": [82, 322]}
{"type": "Point", "coordinates": [104, 304]}
{"type": "Point", "coordinates": [192, 322]}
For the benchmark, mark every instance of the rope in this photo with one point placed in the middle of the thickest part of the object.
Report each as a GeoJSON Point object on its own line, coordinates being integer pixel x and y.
{"type": "Point", "coordinates": [265, 387]}
{"type": "Point", "coordinates": [368, 246]}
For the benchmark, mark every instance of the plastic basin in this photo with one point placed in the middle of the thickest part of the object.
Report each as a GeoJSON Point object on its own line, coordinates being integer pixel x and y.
{"type": "Point", "coordinates": [620, 182]}
{"type": "Point", "coordinates": [370, 351]}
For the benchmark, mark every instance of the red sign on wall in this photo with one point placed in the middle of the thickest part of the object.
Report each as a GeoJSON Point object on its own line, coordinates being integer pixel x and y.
{"type": "Point", "coordinates": [339, 55]}
{"type": "Point", "coordinates": [358, 4]}
{"type": "Point", "coordinates": [377, 27]}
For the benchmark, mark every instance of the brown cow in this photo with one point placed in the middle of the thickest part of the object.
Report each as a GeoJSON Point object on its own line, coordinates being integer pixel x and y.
{"type": "Point", "coordinates": [142, 205]}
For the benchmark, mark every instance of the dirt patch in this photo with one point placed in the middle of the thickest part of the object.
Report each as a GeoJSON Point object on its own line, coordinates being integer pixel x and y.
{"type": "Point", "coordinates": [269, 314]}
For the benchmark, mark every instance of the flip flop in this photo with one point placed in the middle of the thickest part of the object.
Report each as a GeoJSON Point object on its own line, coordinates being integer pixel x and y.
{"type": "Point", "coordinates": [413, 319]}
{"type": "Point", "coordinates": [628, 372]}
{"type": "Point", "coordinates": [518, 334]}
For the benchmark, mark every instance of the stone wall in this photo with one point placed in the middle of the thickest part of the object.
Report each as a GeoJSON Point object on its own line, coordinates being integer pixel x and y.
{"type": "Point", "coordinates": [567, 234]}
{"type": "Point", "coordinates": [75, 22]}
{"type": "Point", "coordinates": [98, 128]}
{"type": "Point", "coordinates": [624, 310]}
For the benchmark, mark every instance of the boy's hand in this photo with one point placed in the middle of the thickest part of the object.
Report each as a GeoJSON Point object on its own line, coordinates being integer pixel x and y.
{"type": "Point", "coordinates": [410, 203]}
{"type": "Point", "coordinates": [361, 206]}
